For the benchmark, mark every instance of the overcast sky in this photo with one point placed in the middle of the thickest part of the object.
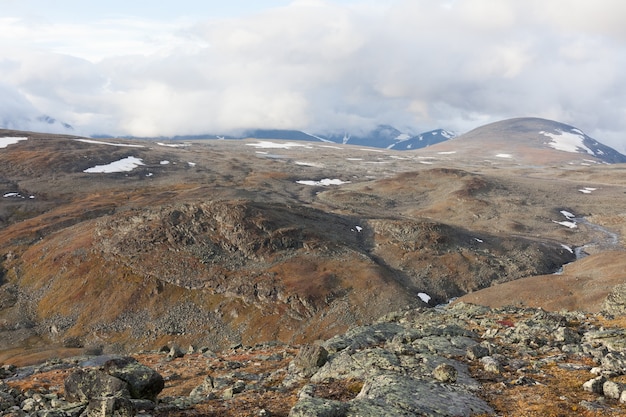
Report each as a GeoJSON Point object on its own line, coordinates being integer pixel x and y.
{"type": "Point", "coordinates": [197, 66]}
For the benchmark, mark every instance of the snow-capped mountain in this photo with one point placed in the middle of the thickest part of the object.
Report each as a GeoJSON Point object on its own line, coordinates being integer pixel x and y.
{"type": "Point", "coordinates": [423, 140]}
{"type": "Point", "coordinates": [533, 140]}
{"type": "Point", "coordinates": [383, 136]}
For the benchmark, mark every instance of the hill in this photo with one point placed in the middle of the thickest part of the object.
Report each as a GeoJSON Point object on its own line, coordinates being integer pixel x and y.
{"type": "Point", "coordinates": [531, 140]}
{"type": "Point", "coordinates": [127, 245]}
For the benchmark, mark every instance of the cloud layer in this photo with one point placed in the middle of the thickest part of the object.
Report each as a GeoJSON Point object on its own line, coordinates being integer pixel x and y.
{"type": "Point", "coordinates": [325, 66]}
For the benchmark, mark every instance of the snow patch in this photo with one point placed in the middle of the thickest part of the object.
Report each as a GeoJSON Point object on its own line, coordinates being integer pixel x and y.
{"type": "Point", "coordinates": [571, 225]}
{"type": "Point", "coordinates": [567, 141]}
{"type": "Point", "coordinates": [447, 153]}
{"type": "Point", "coordinates": [16, 195]}
{"type": "Point", "coordinates": [324, 183]}
{"type": "Point", "coordinates": [567, 248]}
{"type": "Point", "coordinates": [567, 214]}
{"type": "Point", "coordinates": [191, 164]}
{"type": "Point", "coordinates": [98, 142]}
{"type": "Point", "coordinates": [123, 165]}
{"type": "Point", "coordinates": [504, 155]}
{"type": "Point", "coordinates": [587, 190]}
{"type": "Point", "coordinates": [309, 164]}
{"type": "Point", "coordinates": [424, 297]}
{"type": "Point", "coordinates": [4, 142]}
{"type": "Point", "coordinates": [174, 145]}
{"type": "Point", "coordinates": [275, 145]}
{"type": "Point", "coordinates": [164, 162]}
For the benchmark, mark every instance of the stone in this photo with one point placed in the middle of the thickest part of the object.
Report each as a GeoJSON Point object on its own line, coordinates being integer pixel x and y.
{"type": "Point", "coordinates": [203, 389]}
{"type": "Point", "coordinates": [143, 382]}
{"type": "Point", "coordinates": [614, 362]}
{"type": "Point", "coordinates": [566, 336]}
{"type": "Point", "coordinates": [595, 385]}
{"type": "Point", "coordinates": [175, 352]}
{"type": "Point", "coordinates": [398, 395]}
{"type": "Point", "coordinates": [6, 401]}
{"type": "Point", "coordinates": [309, 359]}
{"type": "Point", "coordinates": [476, 352]}
{"type": "Point", "coordinates": [109, 407]}
{"type": "Point", "coordinates": [612, 389]}
{"type": "Point", "coordinates": [319, 407]}
{"type": "Point", "coordinates": [85, 384]}
{"type": "Point", "coordinates": [445, 373]}
{"type": "Point", "coordinates": [491, 364]}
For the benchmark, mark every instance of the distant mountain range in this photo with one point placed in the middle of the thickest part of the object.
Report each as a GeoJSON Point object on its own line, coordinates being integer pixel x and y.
{"type": "Point", "coordinates": [41, 123]}
{"type": "Point", "coordinates": [529, 131]}
{"type": "Point", "coordinates": [383, 136]}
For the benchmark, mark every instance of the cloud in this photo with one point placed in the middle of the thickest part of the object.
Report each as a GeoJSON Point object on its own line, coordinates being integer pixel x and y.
{"type": "Point", "coordinates": [325, 66]}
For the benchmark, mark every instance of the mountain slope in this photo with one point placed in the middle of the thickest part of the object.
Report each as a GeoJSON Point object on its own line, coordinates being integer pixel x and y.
{"type": "Point", "coordinates": [531, 140]}
{"type": "Point", "coordinates": [423, 140]}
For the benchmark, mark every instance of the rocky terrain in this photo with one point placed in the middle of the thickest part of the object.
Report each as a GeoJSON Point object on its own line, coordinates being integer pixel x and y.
{"type": "Point", "coordinates": [460, 360]}
{"type": "Point", "coordinates": [113, 247]}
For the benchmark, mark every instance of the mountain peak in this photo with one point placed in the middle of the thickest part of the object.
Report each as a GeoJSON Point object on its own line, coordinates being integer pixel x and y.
{"type": "Point", "coordinates": [533, 138]}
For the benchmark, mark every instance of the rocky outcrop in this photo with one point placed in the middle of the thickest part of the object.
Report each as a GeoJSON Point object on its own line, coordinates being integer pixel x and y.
{"type": "Point", "coordinates": [459, 360]}
{"type": "Point", "coordinates": [119, 389]}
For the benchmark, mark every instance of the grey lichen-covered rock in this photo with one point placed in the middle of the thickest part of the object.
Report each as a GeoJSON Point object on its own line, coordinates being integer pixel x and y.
{"type": "Point", "coordinates": [143, 382]}
{"type": "Point", "coordinates": [613, 339]}
{"type": "Point", "coordinates": [491, 364]}
{"type": "Point", "coordinates": [309, 360]}
{"type": "Point", "coordinates": [612, 389]}
{"type": "Point", "coordinates": [614, 363]}
{"type": "Point", "coordinates": [404, 396]}
{"type": "Point", "coordinates": [205, 389]}
{"type": "Point", "coordinates": [445, 373]}
{"type": "Point", "coordinates": [595, 385]}
{"type": "Point", "coordinates": [476, 352]}
{"type": "Point", "coordinates": [319, 407]}
{"type": "Point", "coordinates": [406, 368]}
{"type": "Point", "coordinates": [364, 336]}
{"type": "Point", "coordinates": [85, 384]}
{"type": "Point", "coordinates": [109, 407]}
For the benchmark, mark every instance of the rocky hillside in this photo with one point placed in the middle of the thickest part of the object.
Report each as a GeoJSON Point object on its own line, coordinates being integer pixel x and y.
{"type": "Point", "coordinates": [461, 360]}
{"type": "Point", "coordinates": [125, 245]}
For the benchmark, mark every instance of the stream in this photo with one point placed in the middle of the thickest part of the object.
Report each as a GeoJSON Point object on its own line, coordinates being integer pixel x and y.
{"type": "Point", "coordinates": [609, 242]}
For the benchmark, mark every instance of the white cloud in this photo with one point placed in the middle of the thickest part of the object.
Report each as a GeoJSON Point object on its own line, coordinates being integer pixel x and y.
{"type": "Point", "coordinates": [325, 65]}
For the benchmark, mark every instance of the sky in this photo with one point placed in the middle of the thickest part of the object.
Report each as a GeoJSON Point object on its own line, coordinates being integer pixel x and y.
{"type": "Point", "coordinates": [202, 66]}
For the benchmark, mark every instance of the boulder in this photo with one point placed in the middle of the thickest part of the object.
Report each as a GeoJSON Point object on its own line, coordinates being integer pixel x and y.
{"type": "Point", "coordinates": [143, 381]}
{"type": "Point", "coordinates": [309, 360]}
{"type": "Point", "coordinates": [85, 384]}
